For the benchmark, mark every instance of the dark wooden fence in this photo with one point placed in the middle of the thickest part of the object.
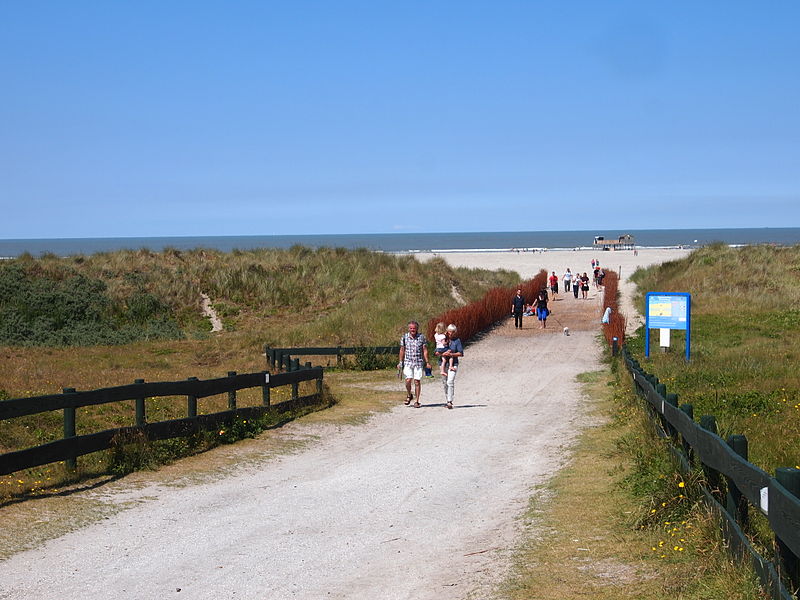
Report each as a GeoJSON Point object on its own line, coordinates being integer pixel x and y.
{"type": "Point", "coordinates": [72, 445]}
{"type": "Point", "coordinates": [735, 486]}
{"type": "Point", "coordinates": [283, 358]}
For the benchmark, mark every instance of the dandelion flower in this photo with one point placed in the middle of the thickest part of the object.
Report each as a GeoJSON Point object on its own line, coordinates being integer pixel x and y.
{"type": "Point", "coordinates": [681, 484]}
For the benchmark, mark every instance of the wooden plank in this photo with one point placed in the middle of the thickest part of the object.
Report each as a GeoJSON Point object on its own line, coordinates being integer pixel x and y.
{"type": "Point", "coordinates": [20, 407]}
{"type": "Point", "coordinates": [741, 546]}
{"type": "Point", "coordinates": [784, 515]}
{"type": "Point", "coordinates": [58, 450]}
{"type": "Point", "coordinates": [710, 448]}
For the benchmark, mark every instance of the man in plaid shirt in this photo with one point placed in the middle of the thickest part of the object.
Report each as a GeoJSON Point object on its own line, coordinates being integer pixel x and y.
{"type": "Point", "coordinates": [413, 351]}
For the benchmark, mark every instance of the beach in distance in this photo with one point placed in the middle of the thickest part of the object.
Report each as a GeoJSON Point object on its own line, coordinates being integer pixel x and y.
{"type": "Point", "coordinates": [528, 264]}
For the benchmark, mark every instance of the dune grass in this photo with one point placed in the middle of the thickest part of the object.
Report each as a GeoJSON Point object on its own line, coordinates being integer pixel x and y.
{"type": "Point", "coordinates": [325, 297]}
{"type": "Point", "coordinates": [744, 353]}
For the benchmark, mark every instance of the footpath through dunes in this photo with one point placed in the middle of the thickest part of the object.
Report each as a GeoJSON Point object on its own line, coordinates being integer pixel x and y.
{"type": "Point", "coordinates": [416, 503]}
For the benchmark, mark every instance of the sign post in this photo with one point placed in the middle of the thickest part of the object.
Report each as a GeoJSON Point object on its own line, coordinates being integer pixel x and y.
{"type": "Point", "coordinates": [665, 311]}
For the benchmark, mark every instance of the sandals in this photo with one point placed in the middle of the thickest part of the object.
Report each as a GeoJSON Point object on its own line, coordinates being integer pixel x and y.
{"type": "Point", "coordinates": [449, 405]}
{"type": "Point", "coordinates": [408, 400]}
{"type": "Point", "coordinates": [417, 405]}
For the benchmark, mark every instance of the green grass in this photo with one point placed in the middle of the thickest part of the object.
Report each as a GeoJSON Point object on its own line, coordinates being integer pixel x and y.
{"type": "Point", "coordinates": [744, 353]}
{"type": "Point", "coordinates": [617, 522]}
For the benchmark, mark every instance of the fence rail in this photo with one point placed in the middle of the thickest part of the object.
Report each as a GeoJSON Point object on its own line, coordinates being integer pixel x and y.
{"type": "Point", "coordinates": [735, 483]}
{"type": "Point", "coordinates": [72, 446]}
{"type": "Point", "coordinates": [283, 358]}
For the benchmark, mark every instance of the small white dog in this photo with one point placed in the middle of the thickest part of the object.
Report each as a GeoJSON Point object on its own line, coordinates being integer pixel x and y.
{"type": "Point", "coordinates": [566, 330]}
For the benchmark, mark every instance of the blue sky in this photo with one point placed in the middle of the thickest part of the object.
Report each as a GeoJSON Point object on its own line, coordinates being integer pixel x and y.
{"type": "Point", "coordinates": [154, 118]}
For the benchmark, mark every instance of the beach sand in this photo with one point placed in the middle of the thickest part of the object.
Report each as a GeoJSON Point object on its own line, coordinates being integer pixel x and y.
{"type": "Point", "coordinates": [527, 264]}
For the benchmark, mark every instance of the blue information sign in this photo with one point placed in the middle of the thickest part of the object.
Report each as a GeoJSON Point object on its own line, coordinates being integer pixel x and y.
{"type": "Point", "coordinates": [667, 310]}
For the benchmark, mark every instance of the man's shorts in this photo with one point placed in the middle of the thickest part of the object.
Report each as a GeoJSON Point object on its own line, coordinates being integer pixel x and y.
{"type": "Point", "coordinates": [412, 372]}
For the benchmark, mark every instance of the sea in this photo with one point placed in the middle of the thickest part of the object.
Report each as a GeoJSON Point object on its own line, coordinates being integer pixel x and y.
{"type": "Point", "coordinates": [498, 241]}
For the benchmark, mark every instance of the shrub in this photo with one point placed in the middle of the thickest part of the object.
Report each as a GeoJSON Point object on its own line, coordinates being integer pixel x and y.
{"type": "Point", "coordinates": [367, 359]}
{"type": "Point", "coordinates": [63, 308]}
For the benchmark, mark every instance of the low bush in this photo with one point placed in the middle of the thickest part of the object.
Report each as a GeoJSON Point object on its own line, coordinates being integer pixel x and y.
{"type": "Point", "coordinates": [64, 308]}
{"type": "Point", "coordinates": [494, 306]}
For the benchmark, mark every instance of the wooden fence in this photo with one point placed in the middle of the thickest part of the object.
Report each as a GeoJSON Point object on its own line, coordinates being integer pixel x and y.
{"type": "Point", "coordinates": [734, 484]}
{"type": "Point", "coordinates": [72, 445]}
{"type": "Point", "coordinates": [282, 358]}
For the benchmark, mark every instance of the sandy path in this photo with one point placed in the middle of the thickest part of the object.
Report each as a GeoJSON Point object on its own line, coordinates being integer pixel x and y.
{"type": "Point", "coordinates": [393, 509]}
{"type": "Point", "coordinates": [527, 264]}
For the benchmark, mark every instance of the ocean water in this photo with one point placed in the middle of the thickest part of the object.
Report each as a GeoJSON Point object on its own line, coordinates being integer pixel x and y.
{"type": "Point", "coordinates": [404, 242]}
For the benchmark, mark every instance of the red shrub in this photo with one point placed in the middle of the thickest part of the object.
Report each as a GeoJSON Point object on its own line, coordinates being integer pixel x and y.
{"type": "Point", "coordinates": [493, 307]}
{"type": "Point", "coordinates": [615, 328]}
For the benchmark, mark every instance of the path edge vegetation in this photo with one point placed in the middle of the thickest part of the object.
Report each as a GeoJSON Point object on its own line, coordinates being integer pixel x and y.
{"type": "Point", "coordinates": [749, 366]}
{"type": "Point", "coordinates": [617, 520]}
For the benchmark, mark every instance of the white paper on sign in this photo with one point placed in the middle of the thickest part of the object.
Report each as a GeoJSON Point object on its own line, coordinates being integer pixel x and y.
{"type": "Point", "coordinates": [266, 377]}
{"type": "Point", "coordinates": [765, 500]}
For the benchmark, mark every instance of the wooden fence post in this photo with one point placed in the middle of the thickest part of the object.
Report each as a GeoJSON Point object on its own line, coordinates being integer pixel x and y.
{"type": "Point", "coordinates": [672, 400]}
{"type": "Point", "coordinates": [191, 402]}
{"type": "Point", "coordinates": [232, 394]}
{"type": "Point", "coordinates": [69, 428]}
{"type": "Point", "coordinates": [688, 410]}
{"type": "Point", "coordinates": [141, 416]}
{"type": "Point", "coordinates": [790, 479]}
{"type": "Point", "coordinates": [709, 423]}
{"type": "Point", "coordinates": [736, 504]}
{"type": "Point", "coordinates": [319, 384]}
{"type": "Point", "coordinates": [265, 400]}
{"type": "Point", "coordinates": [295, 366]}
{"type": "Point", "coordinates": [614, 346]}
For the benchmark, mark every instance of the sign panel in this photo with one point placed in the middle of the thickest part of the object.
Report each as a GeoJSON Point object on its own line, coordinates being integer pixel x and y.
{"type": "Point", "coordinates": [665, 311]}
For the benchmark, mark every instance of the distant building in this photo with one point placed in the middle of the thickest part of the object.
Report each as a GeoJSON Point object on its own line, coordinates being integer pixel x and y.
{"type": "Point", "coordinates": [623, 242]}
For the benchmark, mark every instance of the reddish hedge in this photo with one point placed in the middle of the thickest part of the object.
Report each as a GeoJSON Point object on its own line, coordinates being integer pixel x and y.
{"type": "Point", "coordinates": [616, 325]}
{"type": "Point", "coordinates": [493, 307]}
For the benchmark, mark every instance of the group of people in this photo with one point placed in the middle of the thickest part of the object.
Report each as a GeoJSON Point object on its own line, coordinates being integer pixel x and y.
{"type": "Point", "coordinates": [539, 307]}
{"type": "Point", "coordinates": [577, 282]}
{"type": "Point", "coordinates": [414, 360]}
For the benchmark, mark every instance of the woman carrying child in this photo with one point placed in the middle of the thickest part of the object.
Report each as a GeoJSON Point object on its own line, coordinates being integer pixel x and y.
{"type": "Point", "coordinates": [441, 346]}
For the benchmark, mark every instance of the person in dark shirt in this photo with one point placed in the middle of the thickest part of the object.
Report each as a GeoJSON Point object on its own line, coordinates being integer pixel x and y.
{"type": "Point", "coordinates": [541, 307]}
{"type": "Point", "coordinates": [517, 308]}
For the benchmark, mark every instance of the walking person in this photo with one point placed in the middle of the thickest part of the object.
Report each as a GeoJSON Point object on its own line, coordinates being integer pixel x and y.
{"type": "Point", "coordinates": [541, 308]}
{"type": "Point", "coordinates": [576, 285]}
{"type": "Point", "coordinates": [567, 281]}
{"type": "Point", "coordinates": [585, 286]}
{"type": "Point", "coordinates": [413, 357]}
{"type": "Point", "coordinates": [517, 308]}
{"type": "Point", "coordinates": [553, 279]}
{"type": "Point", "coordinates": [454, 350]}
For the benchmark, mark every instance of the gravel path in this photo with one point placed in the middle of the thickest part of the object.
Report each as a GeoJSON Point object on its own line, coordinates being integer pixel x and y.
{"type": "Point", "coordinates": [418, 503]}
